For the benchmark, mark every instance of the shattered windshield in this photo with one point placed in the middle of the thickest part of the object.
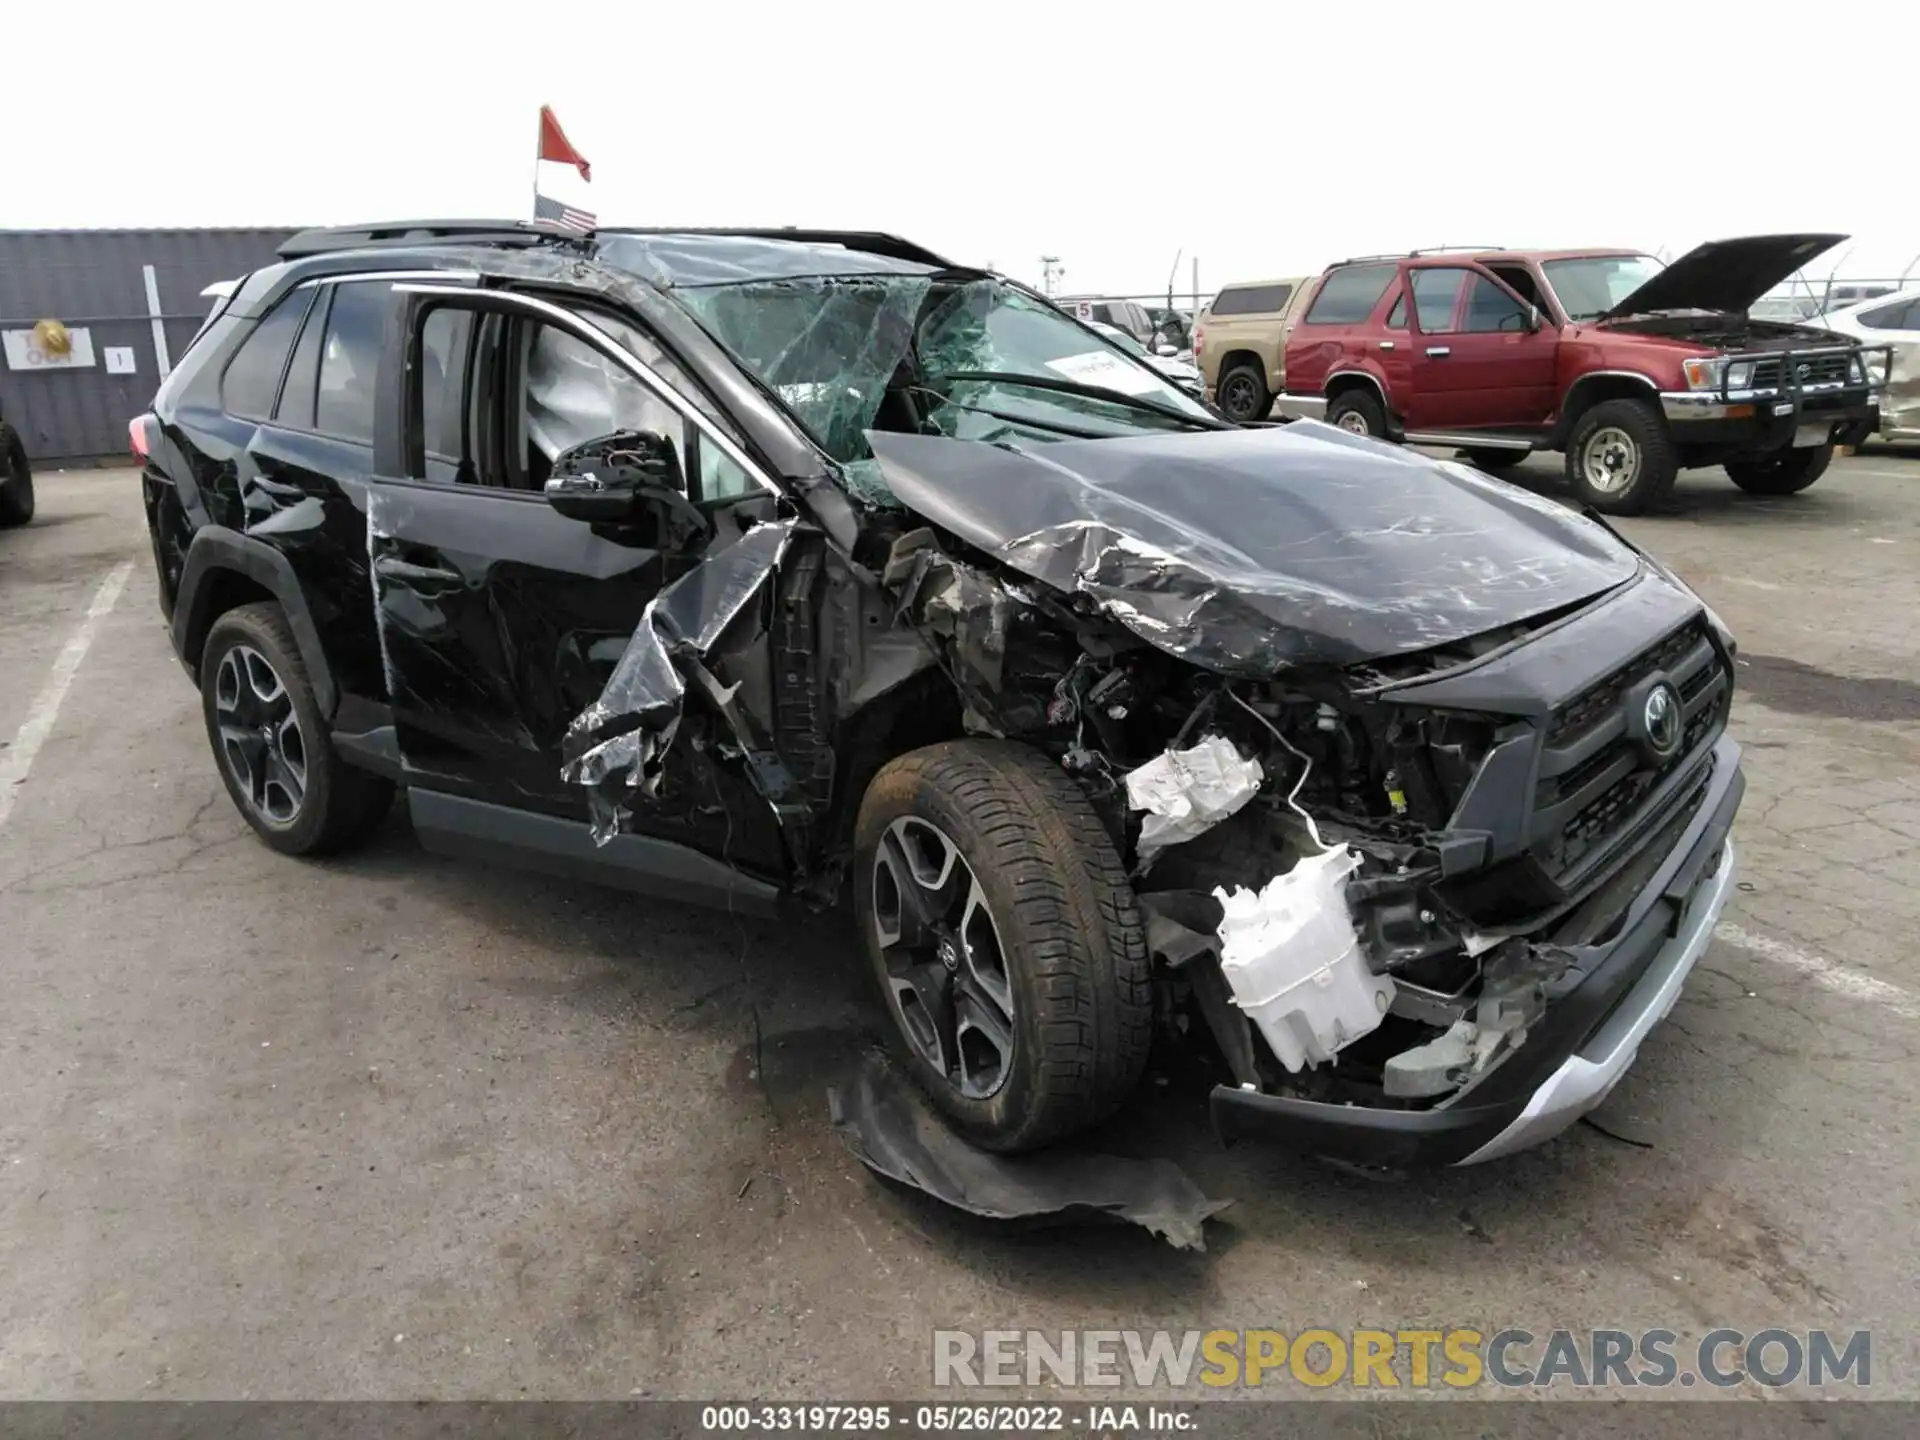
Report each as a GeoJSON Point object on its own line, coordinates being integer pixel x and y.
{"type": "Point", "coordinates": [1592, 285]}
{"type": "Point", "coordinates": [913, 353]}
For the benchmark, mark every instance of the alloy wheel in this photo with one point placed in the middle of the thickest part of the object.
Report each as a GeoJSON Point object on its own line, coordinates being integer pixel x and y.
{"type": "Point", "coordinates": [1354, 423]}
{"type": "Point", "coordinates": [1238, 397]}
{"type": "Point", "coordinates": [1610, 460]}
{"type": "Point", "coordinates": [261, 743]}
{"type": "Point", "coordinates": [946, 968]}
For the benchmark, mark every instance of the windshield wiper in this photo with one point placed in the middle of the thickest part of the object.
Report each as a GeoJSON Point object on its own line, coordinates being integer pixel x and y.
{"type": "Point", "coordinates": [1091, 392]}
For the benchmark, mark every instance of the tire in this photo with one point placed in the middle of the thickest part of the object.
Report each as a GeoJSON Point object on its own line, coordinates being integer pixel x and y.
{"type": "Point", "coordinates": [1496, 459]}
{"type": "Point", "coordinates": [1358, 412]}
{"type": "Point", "coordinates": [1787, 473]}
{"type": "Point", "coordinates": [1620, 458]}
{"type": "Point", "coordinates": [333, 804]}
{"type": "Point", "coordinates": [16, 479]}
{"type": "Point", "coordinates": [1242, 394]}
{"type": "Point", "coordinates": [1017, 843]}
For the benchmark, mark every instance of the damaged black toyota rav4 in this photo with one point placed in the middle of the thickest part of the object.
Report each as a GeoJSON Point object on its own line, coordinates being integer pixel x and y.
{"type": "Point", "coordinates": [783, 567]}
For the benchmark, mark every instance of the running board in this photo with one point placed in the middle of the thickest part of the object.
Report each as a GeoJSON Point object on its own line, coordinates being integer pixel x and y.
{"type": "Point", "coordinates": [1468, 442]}
{"type": "Point", "coordinates": [474, 830]}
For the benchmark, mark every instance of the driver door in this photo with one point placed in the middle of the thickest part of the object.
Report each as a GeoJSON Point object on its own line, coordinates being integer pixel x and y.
{"type": "Point", "coordinates": [500, 619]}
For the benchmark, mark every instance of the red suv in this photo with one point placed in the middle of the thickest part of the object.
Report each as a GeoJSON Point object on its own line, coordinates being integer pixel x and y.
{"type": "Point", "coordinates": [1636, 371]}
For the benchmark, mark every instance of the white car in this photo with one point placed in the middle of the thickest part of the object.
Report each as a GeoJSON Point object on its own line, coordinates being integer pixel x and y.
{"type": "Point", "coordinates": [1181, 371]}
{"type": "Point", "coordinates": [1890, 320]}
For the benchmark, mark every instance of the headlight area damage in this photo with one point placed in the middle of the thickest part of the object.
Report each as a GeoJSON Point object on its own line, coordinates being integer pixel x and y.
{"type": "Point", "coordinates": [1370, 734]}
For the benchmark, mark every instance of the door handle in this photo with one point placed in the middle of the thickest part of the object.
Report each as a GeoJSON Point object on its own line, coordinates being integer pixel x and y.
{"type": "Point", "coordinates": [1438, 352]}
{"type": "Point", "coordinates": [1386, 344]}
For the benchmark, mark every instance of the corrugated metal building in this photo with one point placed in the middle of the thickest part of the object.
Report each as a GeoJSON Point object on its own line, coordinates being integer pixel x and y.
{"type": "Point", "coordinates": [130, 301]}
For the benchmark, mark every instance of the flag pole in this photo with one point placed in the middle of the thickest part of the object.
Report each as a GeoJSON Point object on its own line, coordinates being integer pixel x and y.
{"type": "Point", "coordinates": [539, 139]}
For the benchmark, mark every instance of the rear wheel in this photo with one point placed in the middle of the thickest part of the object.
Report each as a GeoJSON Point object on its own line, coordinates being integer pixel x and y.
{"type": "Point", "coordinates": [1787, 473]}
{"type": "Point", "coordinates": [1243, 395]}
{"type": "Point", "coordinates": [1620, 459]}
{"type": "Point", "coordinates": [1008, 947]}
{"type": "Point", "coordinates": [1358, 413]}
{"type": "Point", "coordinates": [271, 742]}
{"type": "Point", "coordinates": [16, 479]}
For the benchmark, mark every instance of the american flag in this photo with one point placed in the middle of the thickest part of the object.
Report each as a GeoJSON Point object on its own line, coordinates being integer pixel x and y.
{"type": "Point", "coordinates": [570, 216]}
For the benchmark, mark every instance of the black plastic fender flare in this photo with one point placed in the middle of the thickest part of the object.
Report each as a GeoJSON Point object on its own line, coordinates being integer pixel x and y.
{"type": "Point", "coordinates": [215, 548]}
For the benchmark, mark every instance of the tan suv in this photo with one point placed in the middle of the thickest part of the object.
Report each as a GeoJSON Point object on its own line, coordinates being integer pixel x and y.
{"type": "Point", "coordinates": [1240, 343]}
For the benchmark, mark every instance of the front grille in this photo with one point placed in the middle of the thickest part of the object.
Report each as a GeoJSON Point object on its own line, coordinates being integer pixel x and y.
{"type": "Point", "coordinates": [1596, 781]}
{"type": "Point", "coordinates": [1594, 704]}
{"type": "Point", "coordinates": [1828, 368]}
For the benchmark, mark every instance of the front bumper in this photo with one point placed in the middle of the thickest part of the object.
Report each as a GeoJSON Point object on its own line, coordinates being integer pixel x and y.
{"type": "Point", "coordinates": [1767, 422]}
{"type": "Point", "coordinates": [1580, 1048]}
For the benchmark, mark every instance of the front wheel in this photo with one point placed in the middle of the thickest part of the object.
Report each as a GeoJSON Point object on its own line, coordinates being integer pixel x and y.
{"type": "Point", "coordinates": [271, 741]}
{"type": "Point", "coordinates": [16, 479]}
{"type": "Point", "coordinates": [1006, 942]}
{"type": "Point", "coordinates": [1620, 459]}
{"type": "Point", "coordinates": [1787, 473]}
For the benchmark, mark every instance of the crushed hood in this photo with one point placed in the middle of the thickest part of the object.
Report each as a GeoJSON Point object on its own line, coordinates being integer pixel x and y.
{"type": "Point", "coordinates": [1725, 275]}
{"type": "Point", "coordinates": [1248, 551]}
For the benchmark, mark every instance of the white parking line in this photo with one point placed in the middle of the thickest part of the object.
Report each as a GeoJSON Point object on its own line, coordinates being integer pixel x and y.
{"type": "Point", "coordinates": [1824, 973]}
{"type": "Point", "coordinates": [34, 730]}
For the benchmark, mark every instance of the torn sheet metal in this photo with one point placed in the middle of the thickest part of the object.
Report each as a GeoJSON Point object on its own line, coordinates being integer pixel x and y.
{"type": "Point", "coordinates": [894, 1132]}
{"type": "Point", "coordinates": [959, 605]}
{"type": "Point", "coordinates": [1250, 550]}
{"type": "Point", "coordinates": [1294, 961]}
{"type": "Point", "coordinates": [616, 745]}
{"type": "Point", "coordinates": [1187, 792]}
{"type": "Point", "coordinates": [1900, 401]}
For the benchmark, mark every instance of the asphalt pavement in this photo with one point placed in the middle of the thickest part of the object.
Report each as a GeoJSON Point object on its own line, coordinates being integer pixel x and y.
{"type": "Point", "coordinates": [394, 1126]}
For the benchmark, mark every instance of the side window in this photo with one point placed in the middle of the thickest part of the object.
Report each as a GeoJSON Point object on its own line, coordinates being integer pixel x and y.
{"type": "Point", "coordinates": [721, 478]}
{"type": "Point", "coordinates": [1896, 316]}
{"type": "Point", "coordinates": [1397, 317]}
{"type": "Point", "coordinates": [303, 375]}
{"type": "Point", "coordinates": [1348, 295]}
{"type": "Point", "coordinates": [1491, 309]}
{"type": "Point", "coordinates": [252, 378]}
{"type": "Point", "coordinates": [575, 394]}
{"type": "Point", "coordinates": [1435, 292]}
{"type": "Point", "coordinates": [350, 360]}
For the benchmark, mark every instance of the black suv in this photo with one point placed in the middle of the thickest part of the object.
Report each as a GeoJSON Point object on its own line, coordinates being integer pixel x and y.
{"type": "Point", "coordinates": [774, 568]}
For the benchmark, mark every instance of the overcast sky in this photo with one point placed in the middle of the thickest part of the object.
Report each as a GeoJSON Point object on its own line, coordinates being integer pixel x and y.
{"type": "Point", "coordinates": [1264, 141]}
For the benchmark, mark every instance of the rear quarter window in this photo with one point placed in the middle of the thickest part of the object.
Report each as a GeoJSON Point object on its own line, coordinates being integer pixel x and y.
{"type": "Point", "coordinates": [253, 375]}
{"type": "Point", "coordinates": [1252, 300]}
{"type": "Point", "coordinates": [1347, 296]}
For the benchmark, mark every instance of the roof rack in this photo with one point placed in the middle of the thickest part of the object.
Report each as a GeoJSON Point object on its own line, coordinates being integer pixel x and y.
{"type": "Point", "coordinates": [1417, 254]}
{"type": "Point", "coordinates": [325, 239]}
{"type": "Point", "coordinates": [871, 242]}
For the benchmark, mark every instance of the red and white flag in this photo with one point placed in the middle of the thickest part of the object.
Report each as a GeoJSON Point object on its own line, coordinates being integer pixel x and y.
{"type": "Point", "coordinates": [555, 146]}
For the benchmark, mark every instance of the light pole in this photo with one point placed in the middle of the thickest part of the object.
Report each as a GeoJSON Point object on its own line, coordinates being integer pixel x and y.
{"type": "Point", "coordinates": [1050, 272]}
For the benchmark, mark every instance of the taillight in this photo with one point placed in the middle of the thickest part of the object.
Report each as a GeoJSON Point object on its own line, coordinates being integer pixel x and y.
{"type": "Point", "coordinates": [137, 437]}
{"type": "Point", "coordinates": [1199, 336]}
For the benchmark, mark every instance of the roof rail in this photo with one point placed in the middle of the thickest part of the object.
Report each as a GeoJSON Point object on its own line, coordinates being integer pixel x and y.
{"type": "Point", "coordinates": [325, 239]}
{"type": "Point", "coordinates": [1416, 254]}
{"type": "Point", "coordinates": [871, 242]}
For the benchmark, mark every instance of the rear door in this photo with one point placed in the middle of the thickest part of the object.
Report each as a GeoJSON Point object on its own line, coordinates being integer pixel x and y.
{"type": "Point", "coordinates": [1334, 333]}
{"type": "Point", "coordinates": [1475, 362]}
{"type": "Point", "coordinates": [501, 620]}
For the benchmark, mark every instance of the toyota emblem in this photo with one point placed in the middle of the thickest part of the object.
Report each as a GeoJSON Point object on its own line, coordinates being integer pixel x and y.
{"type": "Point", "coordinates": [1662, 720]}
{"type": "Point", "coordinates": [1803, 371]}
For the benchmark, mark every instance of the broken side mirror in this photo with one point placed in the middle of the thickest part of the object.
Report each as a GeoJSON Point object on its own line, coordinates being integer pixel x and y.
{"type": "Point", "coordinates": [1164, 346]}
{"type": "Point", "coordinates": [630, 485]}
